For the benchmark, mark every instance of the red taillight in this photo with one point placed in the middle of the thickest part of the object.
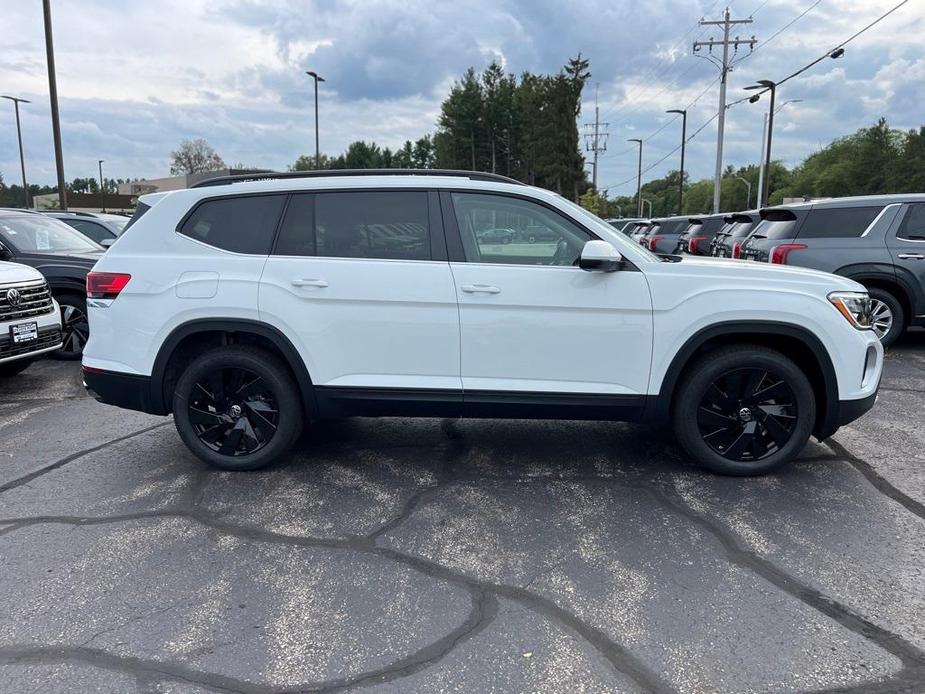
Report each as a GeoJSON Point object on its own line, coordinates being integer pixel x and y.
{"type": "Point", "coordinates": [737, 249]}
{"type": "Point", "coordinates": [780, 253]}
{"type": "Point", "coordinates": [692, 244]}
{"type": "Point", "coordinates": [653, 240]}
{"type": "Point", "coordinates": [106, 285]}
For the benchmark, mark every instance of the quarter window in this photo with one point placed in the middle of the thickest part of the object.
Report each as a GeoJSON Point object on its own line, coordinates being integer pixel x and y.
{"type": "Point", "coordinates": [913, 227]}
{"type": "Point", "coordinates": [846, 222]}
{"type": "Point", "coordinates": [243, 224]}
{"type": "Point", "coordinates": [382, 225]}
{"type": "Point", "coordinates": [512, 231]}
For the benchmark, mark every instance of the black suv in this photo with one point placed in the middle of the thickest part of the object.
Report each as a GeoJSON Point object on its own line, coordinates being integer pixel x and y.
{"type": "Point", "coordinates": [729, 239]}
{"type": "Point", "coordinates": [699, 234]}
{"type": "Point", "coordinates": [64, 256]}
{"type": "Point", "coordinates": [877, 240]}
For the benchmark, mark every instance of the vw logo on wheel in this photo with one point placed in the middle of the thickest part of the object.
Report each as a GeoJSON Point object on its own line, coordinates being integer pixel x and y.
{"type": "Point", "coordinates": [13, 297]}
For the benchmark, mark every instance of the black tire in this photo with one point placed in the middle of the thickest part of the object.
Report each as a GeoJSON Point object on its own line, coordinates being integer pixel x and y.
{"type": "Point", "coordinates": [11, 368]}
{"type": "Point", "coordinates": [237, 408]}
{"type": "Point", "coordinates": [74, 326]}
{"type": "Point", "coordinates": [743, 410]}
{"type": "Point", "coordinates": [885, 304]}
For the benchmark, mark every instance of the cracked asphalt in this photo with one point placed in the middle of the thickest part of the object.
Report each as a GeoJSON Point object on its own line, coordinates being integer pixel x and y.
{"type": "Point", "coordinates": [402, 555]}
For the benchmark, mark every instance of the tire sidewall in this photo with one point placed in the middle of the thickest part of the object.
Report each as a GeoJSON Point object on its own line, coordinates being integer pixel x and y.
{"type": "Point", "coordinates": [274, 373]}
{"type": "Point", "coordinates": [692, 390]}
{"type": "Point", "coordinates": [896, 308]}
{"type": "Point", "coordinates": [77, 302]}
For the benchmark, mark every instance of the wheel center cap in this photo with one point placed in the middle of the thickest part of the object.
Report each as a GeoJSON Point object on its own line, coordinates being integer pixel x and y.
{"type": "Point", "coordinates": [235, 411]}
{"type": "Point", "coordinates": [745, 414]}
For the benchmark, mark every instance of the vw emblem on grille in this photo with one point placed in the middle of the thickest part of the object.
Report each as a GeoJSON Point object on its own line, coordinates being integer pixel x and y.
{"type": "Point", "coordinates": [13, 297]}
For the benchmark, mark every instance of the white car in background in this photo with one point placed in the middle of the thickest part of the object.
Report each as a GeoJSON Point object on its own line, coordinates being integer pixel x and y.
{"type": "Point", "coordinates": [30, 323]}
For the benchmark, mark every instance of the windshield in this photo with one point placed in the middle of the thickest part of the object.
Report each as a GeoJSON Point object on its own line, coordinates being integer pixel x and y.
{"type": "Point", "coordinates": [37, 234]}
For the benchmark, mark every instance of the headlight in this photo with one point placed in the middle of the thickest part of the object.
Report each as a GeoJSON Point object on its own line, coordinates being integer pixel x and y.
{"type": "Point", "coordinates": [854, 306]}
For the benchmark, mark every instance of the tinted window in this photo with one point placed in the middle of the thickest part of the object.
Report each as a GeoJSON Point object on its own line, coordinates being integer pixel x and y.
{"type": "Point", "coordinates": [243, 224]}
{"type": "Point", "coordinates": [847, 222]}
{"type": "Point", "coordinates": [36, 234]}
{"type": "Point", "coordinates": [782, 229]}
{"type": "Point", "coordinates": [913, 227]}
{"type": "Point", "coordinates": [92, 230]}
{"type": "Point", "coordinates": [384, 225]}
{"type": "Point", "coordinates": [539, 236]}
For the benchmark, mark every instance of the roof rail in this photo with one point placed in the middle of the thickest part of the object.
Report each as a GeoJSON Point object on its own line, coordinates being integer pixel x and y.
{"type": "Point", "coordinates": [326, 173]}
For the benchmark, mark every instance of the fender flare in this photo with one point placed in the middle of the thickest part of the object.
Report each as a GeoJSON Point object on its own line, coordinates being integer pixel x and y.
{"type": "Point", "coordinates": [826, 420]}
{"type": "Point", "coordinates": [230, 325]}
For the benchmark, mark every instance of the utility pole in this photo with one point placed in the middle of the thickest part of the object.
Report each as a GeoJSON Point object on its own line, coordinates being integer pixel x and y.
{"type": "Point", "coordinates": [764, 148]}
{"type": "Point", "coordinates": [53, 96]}
{"type": "Point", "coordinates": [102, 193]}
{"type": "Point", "coordinates": [317, 78]}
{"type": "Point", "coordinates": [725, 67]}
{"type": "Point", "coordinates": [638, 178]}
{"type": "Point", "coordinates": [683, 114]}
{"type": "Point", "coordinates": [596, 140]}
{"type": "Point", "coordinates": [22, 160]}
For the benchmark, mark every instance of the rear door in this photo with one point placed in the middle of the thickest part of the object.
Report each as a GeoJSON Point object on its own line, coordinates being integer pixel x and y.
{"type": "Point", "coordinates": [907, 248]}
{"type": "Point", "coordinates": [361, 279]}
{"type": "Point", "coordinates": [535, 329]}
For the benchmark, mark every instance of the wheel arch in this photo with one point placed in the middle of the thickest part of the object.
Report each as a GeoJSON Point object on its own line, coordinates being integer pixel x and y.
{"type": "Point", "coordinates": [187, 340]}
{"type": "Point", "coordinates": [896, 284]}
{"type": "Point", "coordinates": [794, 341]}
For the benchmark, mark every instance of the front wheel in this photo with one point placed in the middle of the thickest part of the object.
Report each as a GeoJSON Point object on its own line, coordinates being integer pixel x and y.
{"type": "Point", "coordinates": [887, 317]}
{"type": "Point", "coordinates": [237, 408]}
{"type": "Point", "coordinates": [744, 410]}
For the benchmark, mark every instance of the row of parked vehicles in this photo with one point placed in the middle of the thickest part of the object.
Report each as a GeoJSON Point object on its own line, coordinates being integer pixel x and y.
{"type": "Point", "coordinates": [878, 241]}
{"type": "Point", "coordinates": [44, 261]}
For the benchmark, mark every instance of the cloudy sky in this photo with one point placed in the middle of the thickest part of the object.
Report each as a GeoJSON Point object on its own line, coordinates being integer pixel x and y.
{"type": "Point", "coordinates": [134, 78]}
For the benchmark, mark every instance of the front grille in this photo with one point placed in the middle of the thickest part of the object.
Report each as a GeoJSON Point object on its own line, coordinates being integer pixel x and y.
{"type": "Point", "coordinates": [49, 337]}
{"type": "Point", "coordinates": [34, 300]}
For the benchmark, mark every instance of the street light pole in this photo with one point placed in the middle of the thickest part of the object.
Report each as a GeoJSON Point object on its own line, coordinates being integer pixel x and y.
{"type": "Point", "coordinates": [683, 113]}
{"type": "Point", "coordinates": [638, 178]}
{"type": "Point", "coordinates": [53, 97]}
{"type": "Point", "coordinates": [22, 159]}
{"type": "Point", "coordinates": [748, 191]}
{"type": "Point", "coordinates": [102, 199]}
{"type": "Point", "coordinates": [768, 86]}
{"type": "Point", "coordinates": [317, 78]}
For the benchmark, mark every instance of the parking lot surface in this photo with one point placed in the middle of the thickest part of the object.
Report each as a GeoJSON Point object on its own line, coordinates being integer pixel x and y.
{"type": "Point", "coordinates": [403, 555]}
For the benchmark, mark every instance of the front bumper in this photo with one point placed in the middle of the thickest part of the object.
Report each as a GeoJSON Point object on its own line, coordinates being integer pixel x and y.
{"type": "Point", "coordinates": [49, 339]}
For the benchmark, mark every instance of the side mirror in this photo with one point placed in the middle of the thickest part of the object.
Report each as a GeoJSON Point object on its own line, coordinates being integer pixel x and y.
{"type": "Point", "coordinates": [600, 256]}
{"type": "Point", "coordinates": [106, 243]}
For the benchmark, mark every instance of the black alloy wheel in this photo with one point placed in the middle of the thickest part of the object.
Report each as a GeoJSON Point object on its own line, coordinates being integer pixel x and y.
{"type": "Point", "coordinates": [747, 414]}
{"type": "Point", "coordinates": [75, 327]}
{"type": "Point", "coordinates": [233, 411]}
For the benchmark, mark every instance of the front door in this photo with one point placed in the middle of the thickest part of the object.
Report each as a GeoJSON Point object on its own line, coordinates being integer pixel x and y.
{"type": "Point", "coordinates": [534, 328]}
{"type": "Point", "coordinates": [355, 275]}
{"type": "Point", "coordinates": [908, 251]}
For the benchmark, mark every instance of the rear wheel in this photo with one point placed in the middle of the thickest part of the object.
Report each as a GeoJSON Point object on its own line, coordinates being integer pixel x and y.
{"type": "Point", "coordinates": [744, 410]}
{"type": "Point", "coordinates": [237, 408]}
{"type": "Point", "coordinates": [886, 316]}
{"type": "Point", "coordinates": [74, 325]}
{"type": "Point", "coordinates": [11, 368]}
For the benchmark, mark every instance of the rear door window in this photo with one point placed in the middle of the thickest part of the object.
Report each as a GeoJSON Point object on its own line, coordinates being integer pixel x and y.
{"type": "Point", "coordinates": [242, 224]}
{"type": "Point", "coordinates": [388, 225]}
{"type": "Point", "coordinates": [913, 226]}
{"type": "Point", "coordinates": [845, 222]}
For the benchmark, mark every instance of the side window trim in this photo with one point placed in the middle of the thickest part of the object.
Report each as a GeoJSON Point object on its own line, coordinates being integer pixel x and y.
{"type": "Point", "coordinates": [451, 225]}
{"type": "Point", "coordinates": [436, 227]}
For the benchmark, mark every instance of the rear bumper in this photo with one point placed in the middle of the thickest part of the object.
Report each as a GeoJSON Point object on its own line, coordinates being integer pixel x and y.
{"type": "Point", "coordinates": [129, 391]}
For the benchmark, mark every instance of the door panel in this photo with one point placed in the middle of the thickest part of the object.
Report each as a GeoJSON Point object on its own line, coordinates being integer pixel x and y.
{"type": "Point", "coordinates": [364, 322]}
{"type": "Point", "coordinates": [907, 246]}
{"type": "Point", "coordinates": [530, 320]}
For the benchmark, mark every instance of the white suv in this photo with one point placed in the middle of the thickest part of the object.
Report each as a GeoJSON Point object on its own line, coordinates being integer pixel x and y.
{"type": "Point", "coordinates": [249, 307]}
{"type": "Point", "coordinates": [30, 324]}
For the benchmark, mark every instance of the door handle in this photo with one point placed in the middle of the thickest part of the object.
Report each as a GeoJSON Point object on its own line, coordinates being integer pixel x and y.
{"type": "Point", "coordinates": [480, 289]}
{"type": "Point", "coordinates": [309, 283]}
{"type": "Point", "coordinates": [911, 256]}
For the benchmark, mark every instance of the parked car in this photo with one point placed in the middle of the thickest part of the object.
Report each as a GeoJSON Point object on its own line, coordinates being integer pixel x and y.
{"type": "Point", "coordinates": [696, 237]}
{"type": "Point", "coordinates": [64, 256]}
{"type": "Point", "coordinates": [727, 242]}
{"type": "Point", "coordinates": [496, 235]}
{"type": "Point", "coordinates": [113, 222]}
{"type": "Point", "coordinates": [30, 325]}
{"type": "Point", "coordinates": [624, 224]}
{"type": "Point", "coordinates": [877, 240]}
{"type": "Point", "coordinates": [663, 235]}
{"type": "Point", "coordinates": [247, 308]}
{"type": "Point", "coordinates": [637, 230]}
{"type": "Point", "coordinates": [539, 233]}
{"type": "Point", "coordinates": [97, 230]}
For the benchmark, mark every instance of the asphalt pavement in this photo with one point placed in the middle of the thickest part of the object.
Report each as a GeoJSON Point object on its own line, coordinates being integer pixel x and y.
{"type": "Point", "coordinates": [401, 555]}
